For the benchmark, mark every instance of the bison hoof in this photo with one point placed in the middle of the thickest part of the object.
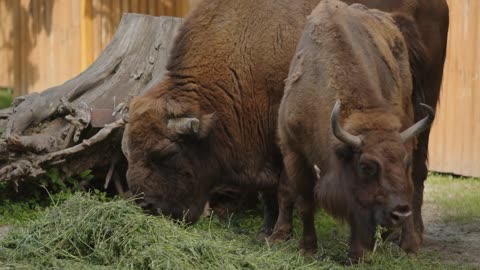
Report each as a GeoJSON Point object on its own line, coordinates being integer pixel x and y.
{"type": "Point", "coordinates": [410, 244]}
{"type": "Point", "coordinates": [279, 236]}
{"type": "Point", "coordinates": [353, 261]}
{"type": "Point", "coordinates": [308, 247]}
{"type": "Point", "coordinates": [263, 234]}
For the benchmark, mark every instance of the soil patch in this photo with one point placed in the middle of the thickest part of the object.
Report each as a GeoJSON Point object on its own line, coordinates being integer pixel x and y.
{"type": "Point", "coordinates": [453, 242]}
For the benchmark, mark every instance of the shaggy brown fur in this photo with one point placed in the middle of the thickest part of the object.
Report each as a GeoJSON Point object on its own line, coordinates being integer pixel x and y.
{"type": "Point", "coordinates": [360, 57]}
{"type": "Point", "coordinates": [225, 79]}
{"type": "Point", "coordinates": [432, 20]}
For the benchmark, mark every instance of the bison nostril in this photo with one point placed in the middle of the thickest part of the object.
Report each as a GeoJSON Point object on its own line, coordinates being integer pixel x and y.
{"type": "Point", "coordinates": [400, 213]}
{"type": "Point", "coordinates": [402, 209]}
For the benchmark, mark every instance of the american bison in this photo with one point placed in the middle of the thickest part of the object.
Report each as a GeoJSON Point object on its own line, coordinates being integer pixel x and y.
{"type": "Point", "coordinates": [346, 123]}
{"type": "Point", "coordinates": [212, 120]}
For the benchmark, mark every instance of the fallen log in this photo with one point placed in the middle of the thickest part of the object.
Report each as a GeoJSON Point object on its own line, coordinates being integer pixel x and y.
{"type": "Point", "coordinates": [79, 125]}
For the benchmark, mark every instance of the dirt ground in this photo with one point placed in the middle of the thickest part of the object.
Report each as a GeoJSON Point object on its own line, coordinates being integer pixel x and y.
{"type": "Point", "coordinates": [453, 242]}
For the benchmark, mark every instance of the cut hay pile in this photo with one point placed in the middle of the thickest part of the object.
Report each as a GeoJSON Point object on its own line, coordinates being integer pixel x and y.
{"type": "Point", "coordinates": [89, 232]}
{"type": "Point", "coordinates": [85, 232]}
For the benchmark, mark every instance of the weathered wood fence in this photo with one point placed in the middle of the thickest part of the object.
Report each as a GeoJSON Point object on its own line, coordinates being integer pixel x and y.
{"type": "Point", "coordinates": [455, 139]}
{"type": "Point", "coordinates": [45, 42]}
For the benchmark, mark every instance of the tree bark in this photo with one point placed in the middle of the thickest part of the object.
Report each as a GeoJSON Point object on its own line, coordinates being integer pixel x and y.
{"type": "Point", "coordinates": [60, 126]}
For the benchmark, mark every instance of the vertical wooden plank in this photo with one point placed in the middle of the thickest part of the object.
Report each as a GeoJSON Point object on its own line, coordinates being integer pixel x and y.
{"type": "Point", "coordinates": [125, 6]}
{"type": "Point", "coordinates": [160, 8]}
{"type": "Point", "coordinates": [152, 7]}
{"type": "Point", "coordinates": [169, 8]}
{"type": "Point", "coordinates": [117, 7]}
{"type": "Point", "coordinates": [75, 43]}
{"type": "Point", "coordinates": [105, 24]}
{"type": "Point", "coordinates": [112, 21]}
{"type": "Point", "coordinates": [9, 44]}
{"type": "Point", "coordinates": [463, 99]}
{"type": "Point", "coordinates": [97, 27]}
{"type": "Point", "coordinates": [24, 47]}
{"type": "Point", "coordinates": [178, 7]}
{"type": "Point", "coordinates": [142, 6]}
{"type": "Point", "coordinates": [185, 7]}
{"type": "Point", "coordinates": [61, 43]}
{"type": "Point", "coordinates": [193, 4]}
{"type": "Point", "coordinates": [17, 50]}
{"type": "Point", "coordinates": [134, 6]}
{"type": "Point", "coordinates": [86, 32]}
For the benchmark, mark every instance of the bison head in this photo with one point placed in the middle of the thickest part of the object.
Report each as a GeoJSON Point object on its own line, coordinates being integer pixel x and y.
{"type": "Point", "coordinates": [169, 157]}
{"type": "Point", "coordinates": [378, 164]}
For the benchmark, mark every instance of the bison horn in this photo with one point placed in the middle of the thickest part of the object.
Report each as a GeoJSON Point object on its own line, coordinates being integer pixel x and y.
{"type": "Point", "coordinates": [184, 125]}
{"type": "Point", "coordinates": [340, 133]}
{"type": "Point", "coordinates": [420, 126]}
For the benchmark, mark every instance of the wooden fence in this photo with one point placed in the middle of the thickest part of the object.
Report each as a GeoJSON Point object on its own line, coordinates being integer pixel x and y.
{"type": "Point", "coordinates": [455, 139]}
{"type": "Point", "coordinates": [45, 42]}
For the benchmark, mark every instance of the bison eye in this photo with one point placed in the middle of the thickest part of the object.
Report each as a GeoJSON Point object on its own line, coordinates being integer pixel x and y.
{"type": "Point", "coordinates": [368, 169]}
{"type": "Point", "coordinates": [159, 154]}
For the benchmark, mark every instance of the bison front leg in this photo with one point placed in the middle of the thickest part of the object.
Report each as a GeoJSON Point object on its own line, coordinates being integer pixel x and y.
{"type": "Point", "coordinates": [306, 206]}
{"type": "Point", "coordinates": [286, 201]}
{"type": "Point", "coordinates": [270, 214]}
{"type": "Point", "coordinates": [419, 175]}
{"type": "Point", "coordinates": [356, 252]}
{"type": "Point", "coordinates": [362, 236]}
{"type": "Point", "coordinates": [409, 240]}
{"type": "Point", "coordinates": [302, 182]}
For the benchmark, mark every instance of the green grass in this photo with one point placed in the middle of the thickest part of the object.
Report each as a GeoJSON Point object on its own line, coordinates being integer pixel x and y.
{"type": "Point", "coordinates": [91, 232]}
{"type": "Point", "coordinates": [6, 98]}
{"type": "Point", "coordinates": [15, 213]}
{"type": "Point", "coordinates": [458, 198]}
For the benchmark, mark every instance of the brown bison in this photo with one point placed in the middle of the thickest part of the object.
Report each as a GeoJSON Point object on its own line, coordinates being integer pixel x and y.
{"type": "Point", "coordinates": [432, 20]}
{"type": "Point", "coordinates": [346, 123]}
{"type": "Point", "coordinates": [212, 121]}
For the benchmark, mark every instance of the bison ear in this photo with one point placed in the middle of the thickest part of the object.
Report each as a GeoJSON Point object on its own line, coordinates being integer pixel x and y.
{"type": "Point", "coordinates": [184, 125]}
{"type": "Point", "coordinates": [192, 126]}
{"type": "Point", "coordinates": [206, 124]}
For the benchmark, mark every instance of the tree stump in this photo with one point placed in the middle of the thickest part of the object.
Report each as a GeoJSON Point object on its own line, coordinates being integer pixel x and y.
{"type": "Point", "coordinates": [79, 125]}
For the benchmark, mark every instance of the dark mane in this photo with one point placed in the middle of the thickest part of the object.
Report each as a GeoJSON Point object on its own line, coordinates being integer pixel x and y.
{"type": "Point", "coordinates": [180, 47]}
{"type": "Point", "coordinates": [417, 54]}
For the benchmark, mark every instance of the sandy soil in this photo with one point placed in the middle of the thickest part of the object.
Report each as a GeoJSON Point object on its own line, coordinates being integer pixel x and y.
{"type": "Point", "coordinates": [453, 242]}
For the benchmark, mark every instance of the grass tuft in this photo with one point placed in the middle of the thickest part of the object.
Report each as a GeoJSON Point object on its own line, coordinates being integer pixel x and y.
{"type": "Point", "coordinates": [117, 234]}
{"type": "Point", "coordinates": [458, 198]}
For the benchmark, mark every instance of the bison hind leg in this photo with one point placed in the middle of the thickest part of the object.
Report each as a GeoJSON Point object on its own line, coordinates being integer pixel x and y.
{"type": "Point", "coordinates": [270, 214]}
{"type": "Point", "coordinates": [283, 229]}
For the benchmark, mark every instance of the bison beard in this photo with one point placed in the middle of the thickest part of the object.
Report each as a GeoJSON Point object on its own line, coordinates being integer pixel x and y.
{"type": "Point", "coordinates": [357, 58]}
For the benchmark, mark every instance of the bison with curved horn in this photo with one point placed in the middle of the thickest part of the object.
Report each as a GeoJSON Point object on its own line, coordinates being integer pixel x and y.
{"type": "Point", "coordinates": [346, 124]}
